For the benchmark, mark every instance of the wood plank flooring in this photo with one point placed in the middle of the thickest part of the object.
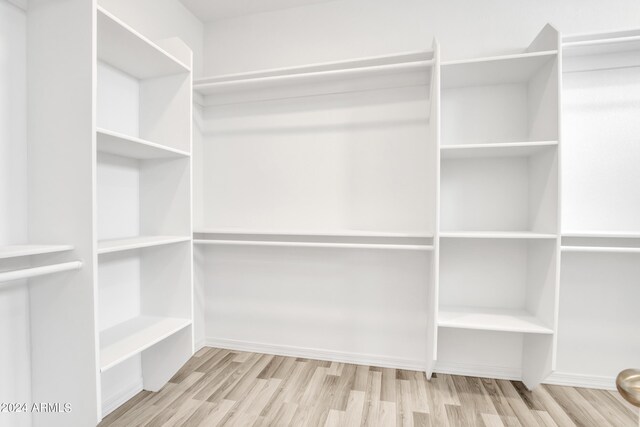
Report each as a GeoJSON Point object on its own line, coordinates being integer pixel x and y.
{"type": "Point", "coordinates": [233, 388]}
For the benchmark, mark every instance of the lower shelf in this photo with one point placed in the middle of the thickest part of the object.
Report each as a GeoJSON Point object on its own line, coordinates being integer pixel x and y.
{"type": "Point", "coordinates": [129, 338]}
{"type": "Point", "coordinates": [16, 251]}
{"type": "Point", "coordinates": [491, 319]}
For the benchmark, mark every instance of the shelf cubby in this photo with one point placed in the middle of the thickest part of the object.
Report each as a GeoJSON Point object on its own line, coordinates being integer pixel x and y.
{"type": "Point", "coordinates": [507, 99]}
{"type": "Point", "coordinates": [142, 92]}
{"type": "Point", "coordinates": [507, 196]}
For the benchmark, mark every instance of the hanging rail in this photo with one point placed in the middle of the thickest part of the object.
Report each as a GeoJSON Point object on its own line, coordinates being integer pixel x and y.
{"type": "Point", "coordinates": [28, 273]}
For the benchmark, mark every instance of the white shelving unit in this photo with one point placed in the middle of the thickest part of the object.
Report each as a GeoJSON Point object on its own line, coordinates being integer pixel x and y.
{"type": "Point", "coordinates": [600, 208]}
{"type": "Point", "coordinates": [145, 285]}
{"type": "Point", "coordinates": [498, 236]}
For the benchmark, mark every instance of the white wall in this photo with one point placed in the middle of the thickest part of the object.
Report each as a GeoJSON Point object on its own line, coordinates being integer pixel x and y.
{"type": "Point", "coordinates": [14, 300]}
{"type": "Point", "coordinates": [159, 19]}
{"type": "Point", "coordinates": [344, 29]}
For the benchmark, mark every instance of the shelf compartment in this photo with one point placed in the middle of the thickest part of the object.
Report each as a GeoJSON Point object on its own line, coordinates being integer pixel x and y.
{"type": "Point", "coordinates": [122, 47]}
{"type": "Point", "coordinates": [495, 70]}
{"type": "Point", "coordinates": [118, 245]}
{"type": "Point", "coordinates": [491, 319]}
{"type": "Point", "coordinates": [508, 149]}
{"type": "Point", "coordinates": [133, 147]}
{"type": "Point", "coordinates": [129, 338]}
{"type": "Point", "coordinates": [16, 251]}
{"type": "Point", "coordinates": [496, 235]}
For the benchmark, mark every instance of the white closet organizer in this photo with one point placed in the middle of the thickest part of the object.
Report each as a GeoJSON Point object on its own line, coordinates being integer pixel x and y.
{"type": "Point", "coordinates": [143, 138]}
{"type": "Point", "coordinates": [109, 196]}
{"type": "Point", "coordinates": [498, 235]}
{"type": "Point", "coordinates": [318, 209]}
{"type": "Point", "coordinates": [601, 209]}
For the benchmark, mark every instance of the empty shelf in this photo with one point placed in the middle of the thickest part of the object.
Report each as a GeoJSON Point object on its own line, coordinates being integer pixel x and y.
{"type": "Point", "coordinates": [116, 245]}
{"type": "Point", "coordinates": [129, 338]}
{"type": "Point", "coordinates": [603, 234]}
{"type": "Point", "coordinates": [15, 251]}
{"type": "Point", "coordinates": [506, 69]}
{"type": "Point", "coordinates": [496, 235]}
{"type": "Point", "coordinates": [603, 249]}
{"type": "Point", "coordinates": [514, 149]}
{"type": "Point", "coordinates": [310, 233]}
{"type": "Point", "coordinates": [124, 48]}
{"type": "Point", "coordinates": [132, 147]}
{"type": "Point", "coordinates": [315, 244]}
{"type": "Point", "coordinates": [491, 319]}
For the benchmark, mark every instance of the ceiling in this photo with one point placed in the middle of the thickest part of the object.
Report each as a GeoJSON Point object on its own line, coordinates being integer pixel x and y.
{"type": "Point", "coordinates": [211, 10]}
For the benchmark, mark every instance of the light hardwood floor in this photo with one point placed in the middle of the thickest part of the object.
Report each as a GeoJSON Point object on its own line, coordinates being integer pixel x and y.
{"type": "Point", "coordinates": [233, 388]}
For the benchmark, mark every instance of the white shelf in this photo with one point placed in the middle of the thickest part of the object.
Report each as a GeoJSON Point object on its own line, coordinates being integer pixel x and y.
{"type": "Point", "coordinates": [122, 47]}
{"type": "Point", "coordinates": [496, 235]}
{"type": "Point", "coordinates": [134, 336]}
{"type": "Point", "coordinates": [490, 319]}
{"type": "Point", "coordinates": [511, 149]}
{"type": "Point", "coordinates": [15, 251]}
{"type": "Point", "coordinates": [309, 74]}
{"type": "Point", "coordinates": [601, 249]}
{"type": "Point", "coordinates": [494, 70]}
{"type": "Point", "coordinates": [302, 233]}
{"type": "Point", "coordinates": [117, 245]}
{"type": "Point", "coordinates": [132, 147]}
{"type": "Point", "coordinates": [603, 234]}
{"type": "Point", "coordinates": [407, 247]}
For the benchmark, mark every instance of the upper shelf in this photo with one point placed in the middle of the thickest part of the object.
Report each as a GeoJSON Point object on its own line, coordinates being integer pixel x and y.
{"type": "Point", "coordinates": [139, 242]}
{"type": "Point", "coordinates": [122, 47]}
{"type": "Point", "coordinates": [515, 149]}
{"type": "Point", "coordinates": [496, 235]}
{"type": "Point", "coordinates": [16, 251]}
{"type": "Point", "coordinates": [136, 148]}
{"type": "Point", "coordinates": [414, 66]}
{"type": "Point", "coordinates": [495, 70]}
{"type": "Point", "coordinates": [601, 43]}
{"type": "Point", "coordinates": [302, 233]}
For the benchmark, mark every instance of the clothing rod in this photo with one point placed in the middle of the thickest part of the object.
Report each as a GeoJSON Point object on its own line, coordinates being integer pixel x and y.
{"type": "Point", "coordinates": [600, 249]}
{"type": "Point", "coordinates": [28, 273]}
{"type": "Point", "coordinates": [314, 244]}
{"type": "Point", "coordinates": [596, 42]}
{"type": "Point", "coordinates": [414, 65]}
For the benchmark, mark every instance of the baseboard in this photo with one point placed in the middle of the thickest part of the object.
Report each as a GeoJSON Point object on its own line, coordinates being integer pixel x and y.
{"type": "Point", "coordinates": [198, 345]}
{"type": "Point", "coordinates": [581, 380]}
{"type": "Point", "coordinates": [114, 401]}
{"type": "Point", "coordinates": [481, 371]}
{"type": "Point", "coordinates": [319, 354]}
